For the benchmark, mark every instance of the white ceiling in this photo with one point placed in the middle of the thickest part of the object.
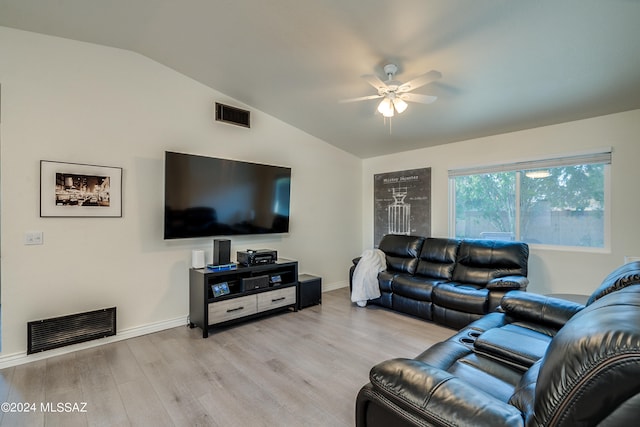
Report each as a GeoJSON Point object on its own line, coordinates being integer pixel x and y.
{"type": "Point", "coordinates": [506, 64]}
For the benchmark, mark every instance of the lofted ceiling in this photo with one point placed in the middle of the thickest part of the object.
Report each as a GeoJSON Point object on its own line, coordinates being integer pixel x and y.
{"type": "Point", "coordinates": [506, 64]}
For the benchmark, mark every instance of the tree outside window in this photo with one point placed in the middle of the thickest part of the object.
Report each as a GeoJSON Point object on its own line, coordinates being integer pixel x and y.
{"type": "Point", "coordinates": [562, 206]}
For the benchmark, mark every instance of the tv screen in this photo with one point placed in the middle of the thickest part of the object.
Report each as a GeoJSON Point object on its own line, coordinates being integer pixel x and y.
{"type": "Point", "coordinates": [207, 196]}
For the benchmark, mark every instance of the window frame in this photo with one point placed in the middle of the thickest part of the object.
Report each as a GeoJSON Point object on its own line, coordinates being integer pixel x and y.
{"type": "Point", "coordinates": [602, 156]}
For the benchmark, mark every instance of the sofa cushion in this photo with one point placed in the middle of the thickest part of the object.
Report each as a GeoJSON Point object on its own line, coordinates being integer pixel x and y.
{"type": "Point", "coordinates": [437, 258]}
{"type": "Point", "coordinates": [426, 395]}
{"type": "Point", "coordinates": [520, 346]}
{"type": "Point", "coordinates": [480, 261]}
{"type": "Point", "coordinates": [414, 287]}
{"type": "Point", "coordinates": [461, 297]}
{"type": "Point", "coordinates": [385, 278]}
{"type": "Point", "coordinates": [460, 360]}
{"type": "Point", "coordinates": [401, 252]}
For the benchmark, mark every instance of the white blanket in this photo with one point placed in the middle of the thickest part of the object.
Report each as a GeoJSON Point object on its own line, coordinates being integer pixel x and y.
{"type": "Point", "coordinates": [365, 276]}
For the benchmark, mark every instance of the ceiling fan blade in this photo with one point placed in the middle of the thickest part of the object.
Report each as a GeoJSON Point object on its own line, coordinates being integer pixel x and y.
{"type": "Point", "coordinates": [362, 98]}
{"type": "Point", "coordinates": [416, 97]}
{"type": "Point", "coordinates": [375, 81]}
{"type": "Point", "coordinates": [420, 81]}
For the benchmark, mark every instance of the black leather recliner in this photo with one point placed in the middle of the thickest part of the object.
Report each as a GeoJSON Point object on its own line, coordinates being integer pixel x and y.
{"type": "Point", "coordinates": [450, 281]}
{"type": "Point", "coordinates": [541, 361]}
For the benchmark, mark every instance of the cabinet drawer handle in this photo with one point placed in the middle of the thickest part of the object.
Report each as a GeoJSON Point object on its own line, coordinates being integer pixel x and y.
{"type": "Point", "coordinates": [278, 299]}
{"type": "Point", "coordinates": [235, 309]}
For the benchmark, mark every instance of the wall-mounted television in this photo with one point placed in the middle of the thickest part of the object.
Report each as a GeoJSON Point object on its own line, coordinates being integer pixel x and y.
{"type": "Point", "coordinates": [208, 196]}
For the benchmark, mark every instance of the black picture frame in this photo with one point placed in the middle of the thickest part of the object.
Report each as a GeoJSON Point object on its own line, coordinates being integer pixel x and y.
{"type": "Point", "coordinates": [80, 190]}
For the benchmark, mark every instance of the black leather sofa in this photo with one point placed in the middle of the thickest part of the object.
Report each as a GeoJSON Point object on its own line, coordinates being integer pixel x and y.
{"type": "Point", "coordinates": [450, 281]}
{"type": "Point", "coordinates": [540, 361]}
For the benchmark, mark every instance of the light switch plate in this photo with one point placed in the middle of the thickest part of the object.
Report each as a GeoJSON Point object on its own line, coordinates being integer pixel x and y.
{"type": "Point", "coordinates": [33, 238]}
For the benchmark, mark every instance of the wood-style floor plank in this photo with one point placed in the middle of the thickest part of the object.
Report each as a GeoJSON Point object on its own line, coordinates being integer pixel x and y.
{"type": "Point", "coordinates": [27, 386]}
{"type": "Point", "coordinates": [286, 369]}
{"type": "Point", "coordinates": [104, 403]}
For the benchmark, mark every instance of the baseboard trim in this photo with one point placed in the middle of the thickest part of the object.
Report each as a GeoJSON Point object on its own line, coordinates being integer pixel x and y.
{"type": "Point", "coordinates": [335, 285]}
{"type": "Point", "coordinates": [9, 360]}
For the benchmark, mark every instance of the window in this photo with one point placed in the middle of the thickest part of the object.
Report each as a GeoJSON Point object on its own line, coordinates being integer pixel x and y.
{"type": "Point", "coordinates": [558, 202]}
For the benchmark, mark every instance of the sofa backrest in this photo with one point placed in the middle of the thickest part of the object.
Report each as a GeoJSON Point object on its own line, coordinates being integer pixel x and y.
{"type": "Point", "coordinates": [480, 261]}
{"type": "Point", "coordinates": [438, 258]}
{"type": "Point", "coordinates": [401, 252]}
{"type": "Point", "coordinates": [623, 276]}
{"type": "Point", "coordinates": [589, 374]}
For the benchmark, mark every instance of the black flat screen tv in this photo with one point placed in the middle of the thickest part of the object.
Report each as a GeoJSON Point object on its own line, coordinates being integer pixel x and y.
{"type": "Point", "coordinates": [208, 196]}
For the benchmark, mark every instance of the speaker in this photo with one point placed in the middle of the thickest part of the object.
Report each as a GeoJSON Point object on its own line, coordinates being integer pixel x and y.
{"type": "Point", "coordinates": [256, 282]}
{"type": "Point", "coordinates": [309, 290]}
{"type": "Point", "coordinates": [197, 259]}
{"type": "Point", "coordinates": [221, 251]}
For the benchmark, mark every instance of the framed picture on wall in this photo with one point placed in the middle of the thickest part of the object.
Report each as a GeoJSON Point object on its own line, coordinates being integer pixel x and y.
{"type": "Point", "coordinates": [402, 203]}
{"type": "Point", "coordinates": [79, 190]}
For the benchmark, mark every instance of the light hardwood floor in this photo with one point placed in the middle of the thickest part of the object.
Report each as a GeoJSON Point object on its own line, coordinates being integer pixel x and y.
{"type": "Point", "coordinates": [290, 369]}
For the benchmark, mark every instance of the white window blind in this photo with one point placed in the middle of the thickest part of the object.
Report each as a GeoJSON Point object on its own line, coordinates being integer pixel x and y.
{"type": "Point", "coordinates": [603, 157]}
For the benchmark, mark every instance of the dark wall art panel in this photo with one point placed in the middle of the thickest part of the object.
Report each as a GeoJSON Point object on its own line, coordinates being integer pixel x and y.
{"type": "Point", "coordinates": [402, 203]}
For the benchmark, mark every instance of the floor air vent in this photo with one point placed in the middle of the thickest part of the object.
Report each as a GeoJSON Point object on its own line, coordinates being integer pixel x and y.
{"type": "Point", "coordinates": [57, 332]}
{"type": "Point", "coordinates": [233, 115]}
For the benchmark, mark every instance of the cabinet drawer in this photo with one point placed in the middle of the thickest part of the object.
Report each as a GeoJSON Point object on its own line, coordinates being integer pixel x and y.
{"type": "Point", "coordinates": [232, 309]}
{"type": "Point", "coordinates": [277, 298]}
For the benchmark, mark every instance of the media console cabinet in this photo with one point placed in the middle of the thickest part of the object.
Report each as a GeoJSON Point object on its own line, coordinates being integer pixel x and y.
{"type": "Point", "coordinates": [245, 299]}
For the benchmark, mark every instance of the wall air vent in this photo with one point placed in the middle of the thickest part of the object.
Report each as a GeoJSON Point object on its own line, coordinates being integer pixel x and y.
{"type": "Point", "coordinates": [233, 115]}
{"type": "Point", "coordinates": [72, 329]}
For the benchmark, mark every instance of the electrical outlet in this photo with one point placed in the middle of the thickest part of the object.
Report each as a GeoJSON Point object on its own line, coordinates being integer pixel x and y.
{"type": "Point", "coordinates": [628, 259]}
{"type": "Point", "coordinates": [33, 238]}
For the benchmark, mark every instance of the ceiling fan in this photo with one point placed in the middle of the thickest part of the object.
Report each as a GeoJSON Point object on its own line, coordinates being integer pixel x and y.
{"type": "Point", "coordinates": [394, 94]}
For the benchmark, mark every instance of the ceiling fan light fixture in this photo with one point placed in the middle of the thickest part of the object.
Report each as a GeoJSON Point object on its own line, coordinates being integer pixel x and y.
{"type": "Point", "coordinates": [395, 94]}
{"type": "Point", "coordinates": [400, 105]}
{"type": "Point", "coordinates": [386, 107]}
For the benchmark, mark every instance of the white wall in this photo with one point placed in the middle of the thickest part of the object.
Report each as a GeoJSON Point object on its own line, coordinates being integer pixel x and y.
{"type": "Point", "coordinates": [69, 101]}
{"type": "Point", "coordinates": [549, 270]}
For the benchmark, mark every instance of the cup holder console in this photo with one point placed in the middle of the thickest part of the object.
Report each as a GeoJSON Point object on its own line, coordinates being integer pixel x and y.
{"type": "Point", "coordinates": [469, 337]}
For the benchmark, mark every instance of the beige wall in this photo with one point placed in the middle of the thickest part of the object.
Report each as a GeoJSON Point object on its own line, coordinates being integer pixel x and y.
{"type": "Point", "coordinates": [556, 271]}
{"type": "Point", "coordinates": [76, 102]}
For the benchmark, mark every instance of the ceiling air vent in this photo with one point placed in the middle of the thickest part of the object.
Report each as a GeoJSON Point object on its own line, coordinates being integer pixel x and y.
{"type": "Point", "coordinates": [232, 115]}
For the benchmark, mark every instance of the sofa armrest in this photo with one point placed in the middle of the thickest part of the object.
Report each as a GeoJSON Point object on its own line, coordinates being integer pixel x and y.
{"type": "Point", "coordinates": [508, 283]}
{"type": "Point", "coordinates": [539, 308]}
{"type": "Point", "coordinates": [352, 269]}
{"type": "Point", "coordinates": [439, 397]}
